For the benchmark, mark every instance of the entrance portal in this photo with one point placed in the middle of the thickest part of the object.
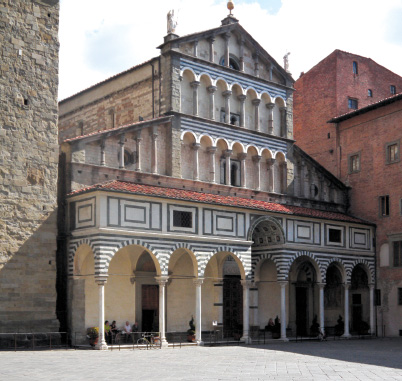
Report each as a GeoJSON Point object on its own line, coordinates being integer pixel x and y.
{"type": "Point", "coordinates": [150, 308]}
{"type": "Point", "coordinates": [232, 304]}
{"type": "Point", "coordinates": [301, 311]}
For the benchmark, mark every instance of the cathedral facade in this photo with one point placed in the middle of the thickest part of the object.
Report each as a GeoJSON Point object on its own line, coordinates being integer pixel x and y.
{"type": "Point", "coordinates": [185, 195]}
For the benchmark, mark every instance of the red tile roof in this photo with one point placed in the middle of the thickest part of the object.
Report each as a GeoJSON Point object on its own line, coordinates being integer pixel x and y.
{"type": "Point", "coordinates": [208, 198]}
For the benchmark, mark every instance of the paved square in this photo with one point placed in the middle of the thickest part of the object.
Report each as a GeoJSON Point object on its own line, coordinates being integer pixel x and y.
{"type": "Point", "coordinates": [332, 360]}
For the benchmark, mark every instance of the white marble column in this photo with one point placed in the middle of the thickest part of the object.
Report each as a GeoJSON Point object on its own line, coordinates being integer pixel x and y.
{"type": "Point", "coordinates": [226, 94]}
{"type": "Point", "coordinates": [195, 85]}
{"type": "Point", "coordinates": [372, 323]}
{"type": "Point", "coordinates": [198, 310]}
{"type": "Point", "coordinates": [195, 48]}
{"type": "Point", "coordinates": [154, 161]}
{"type": "Point", "coordinates": [257, 161]}
{"type": "Point", "coordinates": [102, 153]}
{"type": "Point", "coordinates": [246, 311]}
{"type": "Point", "coordinates": [138, 144]}
{"type": "Point", "coordinates": [242, 157]}
{"type": "Point", "coordinates": [256, 104]}
{"type": "Point", "coordinates": [321, 299]}
{"type": "Point", "coordinates": [241, 48]}
{"type": "Point", "coordinates": [283, 285]}
{"type": "Point", "coordinates": [196, 147]}
{"type": "Point", "coordinates": [211, 49]}
{"type": "Point", "coordinates": [162, 280]}
{"type": "Point", "coordinates": [211, 91]}
{"type": "Point", "coordinates": [242, 99]}
{"type": "Point", "coordinates": [227, 154]}
{"type": "Point", "coordinates": [212, 171]}
{"type": "Point", "coordinates": [101, 281]}
{"type": "Point", "coordinates": [121, 156]}
{"type": "Point", "coordinates": [346, 333]}
{"type": "Point", "coordinates": [271, 174]}
{"type": "Point", "coordinates": [270, 107]}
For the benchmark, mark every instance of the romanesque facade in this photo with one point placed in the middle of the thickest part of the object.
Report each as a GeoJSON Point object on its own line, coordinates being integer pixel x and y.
{"type": "Point", "coordinates": [28, 165]}
{"type": "Point", "coordinates": [186, 196]}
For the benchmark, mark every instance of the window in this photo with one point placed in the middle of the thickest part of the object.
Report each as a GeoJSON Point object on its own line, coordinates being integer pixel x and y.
{"type": "Point", "coordinates": [354, 163]}
{"type": "Point", "coordinates": [384, 206]}
{"type": "Point", "coordinates": [335, 235]}
{"type": "Point", "coordinates": [234, 118]}
{"type": "Point", "coordinates": [235, 172]}
{"type": "Point", "coordinates": [352, 103]}
{"type": "Point", "coordinates": [355, 68]}
{"type": "Point", "coordinates": [392, 152]}
{"type": "Point", "coordinates": [400, 296]}
{"type": "Point", "coordinates": [397, 253]}
{"type": "Point", "coordinates": [182, 219]}
{"type": "Point", "coordinates": [370, 93]}
{"type": "Point", "coordinates": [233, 62]}
{"type": "Point", "coordinates": [393, 89]}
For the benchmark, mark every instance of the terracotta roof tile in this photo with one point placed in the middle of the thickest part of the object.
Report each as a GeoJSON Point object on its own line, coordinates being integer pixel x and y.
{"type": "Point", "coordinates": [208, 198]}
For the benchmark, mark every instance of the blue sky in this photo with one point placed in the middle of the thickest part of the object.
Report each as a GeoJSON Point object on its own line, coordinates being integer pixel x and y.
{"type": "Point", "coordinates": [100, 38]}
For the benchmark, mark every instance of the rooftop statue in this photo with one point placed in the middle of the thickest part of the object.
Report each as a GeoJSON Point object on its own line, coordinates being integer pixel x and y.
{"type": "Point", "coordinates": [171, 23]}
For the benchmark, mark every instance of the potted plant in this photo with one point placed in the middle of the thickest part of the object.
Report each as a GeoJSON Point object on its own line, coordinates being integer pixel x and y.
{"type": "Point", "coordinates": [93, 335]}
{"type": "Point", "coordinates": [191, 331]}
{"type": "Point", "coordinates": [363, 328]}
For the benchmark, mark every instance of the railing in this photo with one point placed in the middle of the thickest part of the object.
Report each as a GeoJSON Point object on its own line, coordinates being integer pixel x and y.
{"type": "Point", "coordinates": [33, 340]}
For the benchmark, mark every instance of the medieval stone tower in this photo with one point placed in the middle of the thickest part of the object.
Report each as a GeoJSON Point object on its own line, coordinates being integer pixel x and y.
{"type": "Point", "coordinates": [28, 164]}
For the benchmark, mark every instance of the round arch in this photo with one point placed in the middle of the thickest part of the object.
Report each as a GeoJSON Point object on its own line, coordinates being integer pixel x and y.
{"type": "Point", "coordinates": [265, 219]}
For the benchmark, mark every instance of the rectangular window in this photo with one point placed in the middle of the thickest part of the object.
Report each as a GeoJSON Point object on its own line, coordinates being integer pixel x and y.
{"type": "Point", "coordinates": [182, 219]}
{"type": "Point", "coordinates": [335, 235]}
{"type": "Point", "coordinates": [355, 68]}
{"type": "Point", "coordinates": [393, 90]}
{"type": "Point", "coordinates": [377, 297]}
{"type": "Point", "coordinates": [370, 93]}
{"type": "Point", "coordinates": [392, 152]}
{"type": "Point", "coordinates": [384, 206]}
{"type": "Point", "coordinates": [354, 163]}
{"type": "Point", "coordinates": [400, 296]}
{"type": "Point", "coordinates": [352, 103]}
{"type": "Point", "coordinates": [397, 253]}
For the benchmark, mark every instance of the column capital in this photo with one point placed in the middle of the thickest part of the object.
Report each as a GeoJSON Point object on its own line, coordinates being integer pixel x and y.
{"type": "Point", "coordinates": [211, 89]}
{"type": "Point", "coordinates": [283, 283]}
{"type": "Point", "coordinates": [195, 84]}
{"type": "Point", "coordinates": [101, 279]}
{"type": "Point", "coordinates": [196, 146]}
{"type": "Point", "coordinates": [242, 156]}
{"type": "Point", "coordinates": [371, 286]}
{"type": "Point", "coordinates": [347, 286]}
{"type": "Point", "coordinates": [227, 35]}
{"type": "Point", "coordinates": [256, 102]}
{"type": "Point", "coordinates": [270, 106]}
{"type": "Point", "coordinates": [246, 283]}
{"type": "Point", "coordinates": [257, 158]}
{"type": "Point", "coordinates": [242, 98]}
{"type": "Point", "coordinates": [198, 281]}
{"type": "Point", "coordinates": [122, 139]}
{"type": "Point", "coordinates": [282, 109]}
{"type": "Point", "coordinates": [162, 280]}
{"type": "Point", "coordinates": [154, 135]}
{"type": "Point", "coordinates": [102, 143]}
{"type": "Point", "coordinates": [227, 93]}
{"type": "Point", "coordinates": [321, 285]}
{"type": "Point", "coordinates": [271, 161]}
{"type": "Point", "coordinates": [211, 150]}
{"type": "Point", "coordinates": [227, 153]}
{"type": "Point", "coordinates": [211, 39]}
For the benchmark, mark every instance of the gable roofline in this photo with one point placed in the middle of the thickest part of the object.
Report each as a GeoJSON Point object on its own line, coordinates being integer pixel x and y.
{"type": "Point", "coordinates": [235, 26]}
{"type": "Point", "coordinates": [364, 110]}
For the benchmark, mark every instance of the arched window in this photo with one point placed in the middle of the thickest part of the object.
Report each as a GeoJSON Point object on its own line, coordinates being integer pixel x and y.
{"type": "Point", "coordinates": [233, 62]}
{"type": "Point", "coordinates": [234, 172]}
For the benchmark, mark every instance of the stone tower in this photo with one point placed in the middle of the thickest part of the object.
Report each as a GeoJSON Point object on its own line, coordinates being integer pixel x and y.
{"type": "Point", "coordinates": [29, 57]}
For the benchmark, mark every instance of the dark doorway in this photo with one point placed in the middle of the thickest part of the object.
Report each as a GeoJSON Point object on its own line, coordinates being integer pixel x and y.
{"type": "Point", "coordinates": [150, 308]}
{"type": "Point", "coordinates": [301, 311]}
{"type": "Point", "coordinates": [357, 312]}
{"type": "Point", "coordinates": [232, 305]}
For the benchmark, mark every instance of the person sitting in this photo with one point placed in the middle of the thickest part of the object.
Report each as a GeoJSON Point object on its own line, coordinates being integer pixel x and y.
{"type": "Point", "coordinates": [270, 326]}
{"type": "Point", "coordinates": [127, 330]}
{"type": "Point", "coordinates": [135, 331]}
{"type": "Point", "coordinates": [108, 332]}
{"type": "Point", "coordinates": [314, 329]}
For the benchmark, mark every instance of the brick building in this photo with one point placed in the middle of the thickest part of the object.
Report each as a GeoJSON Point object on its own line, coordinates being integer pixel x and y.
{"type": "Point", "coordinates": [338, 84]}
{"type": "Point", "coordinates": [185, 195]}
{"type": "Point", "coordinates": [28, 165]}
{"type": "Point", "coordinates": [371, 165]}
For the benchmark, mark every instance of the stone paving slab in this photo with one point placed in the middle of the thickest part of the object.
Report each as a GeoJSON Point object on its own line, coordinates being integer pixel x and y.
{"type": "Point", "coordinates": [336, 360]}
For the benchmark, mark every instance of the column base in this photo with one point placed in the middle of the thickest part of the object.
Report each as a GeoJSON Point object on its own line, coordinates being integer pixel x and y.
{"type": "Point", "coordinates": [346, 336]}
{"type": "Point", "coordinates": [201, 343]}
{"type": "Point", "coordinates": [246, 340]}
{"type": "Point", "coordinates": [164, 343]}
{"type": "Point", "coordinates": [101, 346]}
{"type": "Point", "coordinates": [284, 339]}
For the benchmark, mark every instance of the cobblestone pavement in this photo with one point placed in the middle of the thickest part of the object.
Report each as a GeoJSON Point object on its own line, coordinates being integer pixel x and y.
{"type": "Point", "coordinates": [379, 359]}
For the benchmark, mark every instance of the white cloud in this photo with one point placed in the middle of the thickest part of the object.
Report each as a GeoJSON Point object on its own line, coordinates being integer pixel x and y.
{"type": "Point", "coordinates": [99, 39]}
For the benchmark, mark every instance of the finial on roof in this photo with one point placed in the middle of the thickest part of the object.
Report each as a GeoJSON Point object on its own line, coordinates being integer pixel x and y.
{"type": "Point", "coordinates": [230, 6]}
{"type": "Point", "coordinates": [286, 62]}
